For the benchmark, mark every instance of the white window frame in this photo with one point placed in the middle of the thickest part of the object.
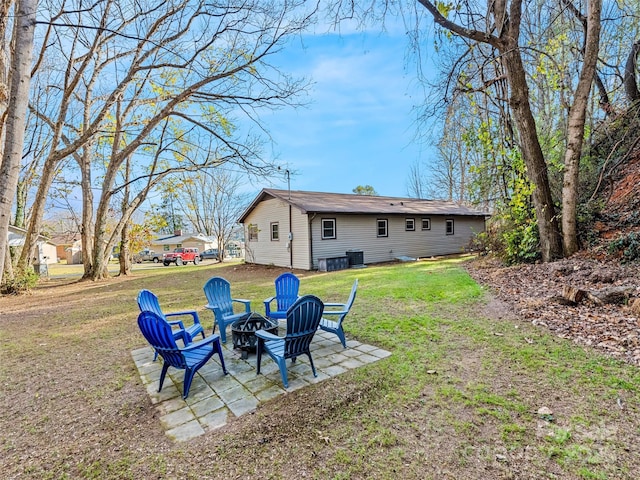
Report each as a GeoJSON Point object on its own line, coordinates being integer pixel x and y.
{"type": "Point", "coordinates": [332, 222]}
{"type": "Point", "coordinates": [426, 224]}
{"type": "Point", "coordinates": [384, 223]}
{"type": "Point", "coordinates": [275, 233]}
{"type": "Point", "coordinates": [252, 232]}
{"type": "Point", "coordinates": [449, 226]}
{"type": "Point", "coordinates": [410, 224]}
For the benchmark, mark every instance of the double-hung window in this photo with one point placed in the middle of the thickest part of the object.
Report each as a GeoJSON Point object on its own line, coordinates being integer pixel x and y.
{"type": "Point", "coordinates": [449, 226]}
{"type": "Point", "coordinates": [329, 229]}
{"type": "Point", "coordinates": [275, 231]}
{"type": "Point", "coordinates": [253, 232]}
{"type": "Point", "coordinates": [383, 227]}
{"type": "Point", "coordinates": [409, 224]}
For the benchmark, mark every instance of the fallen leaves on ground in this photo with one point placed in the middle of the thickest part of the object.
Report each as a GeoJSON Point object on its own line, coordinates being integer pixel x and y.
{"type": "Point", "coordinates": [533, 291]}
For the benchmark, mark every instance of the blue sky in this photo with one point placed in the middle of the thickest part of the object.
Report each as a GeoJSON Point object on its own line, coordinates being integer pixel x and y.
{"type": "Point", "coordinates": [359, 126]}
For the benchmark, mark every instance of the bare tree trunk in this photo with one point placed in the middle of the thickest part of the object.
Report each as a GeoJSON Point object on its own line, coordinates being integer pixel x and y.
{"type": "Point", "coordinates": [87, 208]}
{"type": "Point", "coordinates": [550, 240]}
{"type": "Point", "coordinates": [5, 5]}
{"type": "Point", "coordinates": [575, 130]}
{"type": "Point", "coordinates": [507, 24]}
{"type": "Point", "coordinates": [630, 83]}
{"type": "Point", "coordinates": [16, 117]}
{"type": "Point", "coordinates": [125, 257]}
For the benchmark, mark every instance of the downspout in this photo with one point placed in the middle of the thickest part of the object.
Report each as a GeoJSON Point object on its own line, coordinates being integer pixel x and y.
{"type": "Point", "coordinates": [311, 241]}
{"type": "Point", "coordinates": [290, 240]}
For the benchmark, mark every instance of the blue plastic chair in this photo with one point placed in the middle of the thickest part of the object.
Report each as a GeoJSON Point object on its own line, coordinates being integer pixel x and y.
{"type": "Point", "coordinates": [287, 286]}
{"type": "Point", "coordinates": [148, 302]}
{"type": "Point", "coordinates": [218, 293]}
{"type": "Point", "coordinates": [158, 333]}
{"type": "Point", "coordinates": [303, 318]}
{"type": "Point", "coordinates": [335, 326]}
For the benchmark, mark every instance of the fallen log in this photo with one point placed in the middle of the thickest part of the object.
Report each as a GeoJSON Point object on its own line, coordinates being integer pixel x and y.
{"type": "Point", "coordinates": [614, 295]}
{"type": "Point", "coordinates": [573, 294]}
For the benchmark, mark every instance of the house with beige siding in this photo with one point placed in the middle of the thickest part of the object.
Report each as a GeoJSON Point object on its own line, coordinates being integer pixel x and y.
{"type": "Point", "coordinates": [167, 243]}
{"type": "Point", "coordinates": [301, 230]}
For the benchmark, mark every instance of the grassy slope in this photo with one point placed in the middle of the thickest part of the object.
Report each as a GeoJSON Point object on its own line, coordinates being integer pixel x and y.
{"type": "Point", "coordinates": [457, 399]}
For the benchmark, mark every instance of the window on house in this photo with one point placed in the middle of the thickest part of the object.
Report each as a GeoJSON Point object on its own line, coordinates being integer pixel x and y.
{"type": "Point", "coordinates": [275, 231]}
{"type": "Point", "coordinates": [426, 224]}
{"type": "Point", "coordinates": [449, 226]}
{"type": "Point", "coordinates": [328, 228]}
{"type": "Point", "coordinates": [382, 227]}
{"type": "Point", "coordinates": [410, 224]}
{"type": "Point", "coordinates": [253, 232]}
{"type": "Point", "coordinates": [166, 248]}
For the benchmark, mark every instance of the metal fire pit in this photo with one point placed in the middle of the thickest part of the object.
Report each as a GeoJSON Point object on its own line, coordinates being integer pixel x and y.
{"type": "Point", "coordinates": [243, 332]}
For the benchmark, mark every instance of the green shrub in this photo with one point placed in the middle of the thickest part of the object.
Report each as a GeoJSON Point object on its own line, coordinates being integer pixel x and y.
{"type": "Point", "coordinates": [521, 243]}
{"type": "Point", "coordinates": [22, 282]}
{"type": "Point", "coordinates": [627, 247]}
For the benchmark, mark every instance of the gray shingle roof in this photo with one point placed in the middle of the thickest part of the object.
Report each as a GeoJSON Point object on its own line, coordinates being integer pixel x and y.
{"type": "Point", "coordinates": [320, 202]}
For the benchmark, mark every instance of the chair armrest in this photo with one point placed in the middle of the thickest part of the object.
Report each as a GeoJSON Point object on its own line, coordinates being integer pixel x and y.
{"type": "Point", "coordinates": [205, 341]}
{"type": "Point", "coordinates": [334, 312]}
{"type": "Point", "coordinates": [263, 334]}
{"type": "Point", "coordinates": [176, 322]}
{"type": "Point", "coordinates": [193, 313]}
{"type": "Point", "coordinates": [182, 334]}
{"type": "Point", "coordinates": [341, 305]}
{"type": "Point", "coordinates": [267, 305]}
{"type": "Point", "coordinates": [247, 303]}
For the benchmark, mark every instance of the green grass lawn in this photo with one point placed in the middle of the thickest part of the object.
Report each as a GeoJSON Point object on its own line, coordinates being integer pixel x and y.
{"type": "Point", "coordinates": [458, 397]}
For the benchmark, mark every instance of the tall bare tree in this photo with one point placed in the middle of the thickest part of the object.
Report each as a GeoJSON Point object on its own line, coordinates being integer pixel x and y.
{"type": "Point", "coordinates": [16, 116]}
{"type": "Point", "coordinates": [156, 81]}
{"type": "Point", "coordinates": [212, 200]}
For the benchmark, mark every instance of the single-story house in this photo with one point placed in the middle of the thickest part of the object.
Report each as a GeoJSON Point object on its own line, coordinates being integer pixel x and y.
{"type": "Point", "coordinates": [68, 247]}
{"type": "Point", "coordinates": [168, 243]}
{"type": "Point", "coordinates": [46, 250]}
{"type": "Point", "coordinates": [301, 230]}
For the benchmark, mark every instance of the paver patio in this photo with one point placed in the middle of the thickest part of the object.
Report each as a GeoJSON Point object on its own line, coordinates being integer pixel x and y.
{"type": "Point", "coordinates": [214, 396]}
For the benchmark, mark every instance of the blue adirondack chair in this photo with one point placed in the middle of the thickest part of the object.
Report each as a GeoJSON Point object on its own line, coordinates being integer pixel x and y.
{"type": "Point", "coordinates": [287, 286]}
{"type": "Point", "coordinates": [303, 318]}
{"type": "Point", "coordinates": [148, 302]}
{"type": "Point", "coordinates": [158, 333]}
{"type": "Point", "coordinates": [335, 326]}
{"type": "Point", "coordinates": [218, 293]}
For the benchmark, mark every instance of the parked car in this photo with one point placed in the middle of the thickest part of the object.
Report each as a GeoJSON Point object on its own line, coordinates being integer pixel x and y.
{"type": "Point", "coordinates": [147, 256]}
{"type": "Point", "coordinates": [209, 253]}
{"type": "Point", "coordinates": [182, 255]}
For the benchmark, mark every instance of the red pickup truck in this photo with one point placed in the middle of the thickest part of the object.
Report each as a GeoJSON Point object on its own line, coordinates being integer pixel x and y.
{"type": "Point", "coordinates": [182, 255]}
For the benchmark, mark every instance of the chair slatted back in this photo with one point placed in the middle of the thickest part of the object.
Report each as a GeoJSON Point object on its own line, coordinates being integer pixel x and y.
{"type": "Point", "coordinates": [160, 336]}
{"type": "Point", "coordinates": [287, 287]}
{"type": "Point", "coordinates": [148, 302]}
{"type": "Point", "coordinates": [352, 298]}
{"type": "Point", "coordinates": [218, 293]}
{"type": "Point", "coordinates": [303, 318]}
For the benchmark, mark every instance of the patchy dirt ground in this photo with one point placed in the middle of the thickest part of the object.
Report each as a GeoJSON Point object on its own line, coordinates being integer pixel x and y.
{"type": "Point", "coordinates": [535, 293]}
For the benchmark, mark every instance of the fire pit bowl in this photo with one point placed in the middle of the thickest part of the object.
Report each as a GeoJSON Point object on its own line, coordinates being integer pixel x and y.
{"type": "Point", "coordinates": [243, 331]}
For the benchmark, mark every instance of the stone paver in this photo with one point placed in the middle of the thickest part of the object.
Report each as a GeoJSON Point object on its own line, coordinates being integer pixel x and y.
{"type": "Point", "coordinates": [214, 397]}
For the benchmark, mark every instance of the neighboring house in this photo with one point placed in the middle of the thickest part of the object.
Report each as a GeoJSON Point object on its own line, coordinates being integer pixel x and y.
{"type": "Point", "coordinates": [68, 247]}
{"type": "Point", "coordinates": [168, 243]}
{"type": "Point", "coordinates": [327, 225]}
{"type": "Point", "coordinates": [46, 249]}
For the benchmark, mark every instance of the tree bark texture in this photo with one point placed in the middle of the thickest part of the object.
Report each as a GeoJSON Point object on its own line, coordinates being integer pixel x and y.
{"type": "Point", "coordinates": [630, 82]}
{"type": "Point", "coordinates": [575, 130]}
{"type": "Point", "coordinates": [16, 117]}
{"type": "Point", "coordinates": [507, 19]}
